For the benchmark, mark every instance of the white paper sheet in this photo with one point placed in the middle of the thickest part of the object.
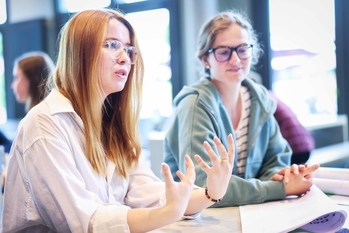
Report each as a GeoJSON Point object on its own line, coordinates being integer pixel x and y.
{"type": "Point", "coordinates": [330, 186]}
{"type": "Point", "coordinates": [332, 173]}
{"type": "Point", "coordinates": [332, 180]}
{"type": "Point", "coordinates": [314, 212]}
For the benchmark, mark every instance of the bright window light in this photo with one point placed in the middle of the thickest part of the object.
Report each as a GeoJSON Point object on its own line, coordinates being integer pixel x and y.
{"type": "Point", "coordinates": [79, 5]}
{"type": "Point", "coordinates": [3, 15]}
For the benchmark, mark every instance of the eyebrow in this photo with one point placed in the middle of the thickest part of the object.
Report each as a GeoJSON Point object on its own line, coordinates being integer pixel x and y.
{"type": "Point", "coordinates": [113, 38]}
{"type": "Point", "coordinates": [225, 46]}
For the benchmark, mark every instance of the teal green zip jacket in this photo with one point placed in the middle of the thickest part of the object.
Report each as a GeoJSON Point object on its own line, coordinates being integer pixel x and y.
{"type": "Point", "coordinates": [200, 115]}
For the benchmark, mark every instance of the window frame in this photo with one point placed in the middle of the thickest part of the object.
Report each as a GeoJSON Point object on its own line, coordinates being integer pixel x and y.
{"type": "Point", "coordinates": [260, 21]}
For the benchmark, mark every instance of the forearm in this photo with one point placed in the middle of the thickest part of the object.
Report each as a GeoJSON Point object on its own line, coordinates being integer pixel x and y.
{"type": "Point", "coordinates": [144, 220]}
{"type": "Point", "coordinates": [198, 202]}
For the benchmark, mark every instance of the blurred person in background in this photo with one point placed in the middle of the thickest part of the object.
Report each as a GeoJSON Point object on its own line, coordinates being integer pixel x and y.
{"type": "Point", "coordinates": [30, 74]}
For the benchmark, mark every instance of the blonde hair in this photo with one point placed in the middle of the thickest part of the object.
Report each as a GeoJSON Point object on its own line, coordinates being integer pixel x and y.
{"type": "Point", "coordinates": [37, 67]}
{"type": "Point", "coordinates": [221, 22]}
{"type": "Point", "coordinates": [110, 131]}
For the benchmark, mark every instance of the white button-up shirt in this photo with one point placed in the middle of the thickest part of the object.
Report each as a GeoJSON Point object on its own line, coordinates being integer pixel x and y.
{"type": "Point", "coordinates": [51, 186]}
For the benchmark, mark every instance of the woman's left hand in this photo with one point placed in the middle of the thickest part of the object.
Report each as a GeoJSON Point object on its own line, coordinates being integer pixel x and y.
{"type": "Point", "coordinates": [285, 173]}
{"type": "Point", "coordinates": [219, 174]}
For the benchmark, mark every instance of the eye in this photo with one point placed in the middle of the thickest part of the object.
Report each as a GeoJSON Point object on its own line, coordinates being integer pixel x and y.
{"type": "Point", "coordinates": [114, 44]}
{"type": "Point", "coordinates": [244, 49]}
{"type": "Point", "coordinates": [223, 51]}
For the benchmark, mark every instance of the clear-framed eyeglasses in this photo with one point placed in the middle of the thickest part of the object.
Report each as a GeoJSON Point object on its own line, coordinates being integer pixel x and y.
{"type": "Point", "coordinates": [223, 53]}
{"type": "Point", "coordinates": [116, 48]}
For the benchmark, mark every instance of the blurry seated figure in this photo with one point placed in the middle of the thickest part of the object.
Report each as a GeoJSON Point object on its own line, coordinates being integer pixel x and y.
{"type": "Point", "coordinates": [30, 73]}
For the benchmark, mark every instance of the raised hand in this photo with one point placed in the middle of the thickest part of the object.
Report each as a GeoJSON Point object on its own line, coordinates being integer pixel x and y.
{"type": "Point", "coordinates": [178, 193]}
{"type": "Point", "coordinates": [219, 174]}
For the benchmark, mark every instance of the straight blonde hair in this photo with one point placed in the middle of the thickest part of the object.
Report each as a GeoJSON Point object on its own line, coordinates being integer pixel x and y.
{"type": "Point", "coordinates": [110, 131]}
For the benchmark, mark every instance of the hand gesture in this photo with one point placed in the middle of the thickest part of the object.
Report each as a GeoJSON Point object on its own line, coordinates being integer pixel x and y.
{"type": "Point", "coordinates": [297, 179]}
{"type": "Point", "coordinates": [178, 193]}
{"type": "Point", "coordinates": [285, 173]}
{"type": "Point", "coordinates": [219, 174]}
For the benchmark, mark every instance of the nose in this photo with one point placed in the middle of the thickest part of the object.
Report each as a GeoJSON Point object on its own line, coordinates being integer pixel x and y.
{"type": "Point", "coordinates": [124, 58]}
{"type": "Point", "coordinates": [234, 57]}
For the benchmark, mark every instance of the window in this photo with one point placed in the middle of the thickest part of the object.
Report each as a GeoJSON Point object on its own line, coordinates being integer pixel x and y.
{"type": "Point", "coordinates": [303, 58]}
{"type": "Point", "coordinates": [79, 5]}
{"type": "Point", "coordinates": [3, 15]}
{"type": "Point", "coordinates": [156, 51]}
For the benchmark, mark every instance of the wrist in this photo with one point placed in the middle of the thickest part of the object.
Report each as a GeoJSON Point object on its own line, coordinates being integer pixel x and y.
{"type": "Point", "coordinates": [210, 198]}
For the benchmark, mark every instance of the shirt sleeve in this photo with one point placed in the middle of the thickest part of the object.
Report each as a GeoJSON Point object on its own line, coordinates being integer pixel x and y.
{"type": "Point", "coordinates": [110, 218]}
{"type": "Point", "coordinates": [145, 188]}
{"type": "Point", "coordinates": [62, 190]}
{"type": "Point", "coordinates": [56, 187]}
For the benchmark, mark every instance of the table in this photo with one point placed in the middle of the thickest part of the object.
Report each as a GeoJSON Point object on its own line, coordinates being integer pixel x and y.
{"type": "Point", "coordinates": [212, 220]}
{"type": "Point", "coordinates": [222, 220]}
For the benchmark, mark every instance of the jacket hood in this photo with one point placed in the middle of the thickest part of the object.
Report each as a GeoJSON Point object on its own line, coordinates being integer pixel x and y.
{"type": "Point", "coordinates": [209, 93]}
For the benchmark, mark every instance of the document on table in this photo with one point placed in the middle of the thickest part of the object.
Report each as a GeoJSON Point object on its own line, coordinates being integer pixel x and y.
{"type": "Point", "coordinates": [314, 212]}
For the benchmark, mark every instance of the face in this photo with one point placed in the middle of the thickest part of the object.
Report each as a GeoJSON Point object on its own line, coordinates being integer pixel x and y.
{"type": "Point", "coordinates": [20, 85]}
{"type": "Point", "coordinates": [235, 69]}
{"type": "Point", "coordinates": [114, 72]}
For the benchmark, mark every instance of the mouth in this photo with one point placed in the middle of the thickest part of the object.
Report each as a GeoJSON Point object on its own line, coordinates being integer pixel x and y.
{"type": "Point", "coordinates": [235, 69]}
{"type": "Point", "coordinates": [122, 73]}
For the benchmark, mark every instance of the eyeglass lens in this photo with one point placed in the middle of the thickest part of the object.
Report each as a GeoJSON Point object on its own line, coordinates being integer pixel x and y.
{"type": "Point", "coordinates": [223, 54]}
{"type": "Point", "coordinates": [116, 49]}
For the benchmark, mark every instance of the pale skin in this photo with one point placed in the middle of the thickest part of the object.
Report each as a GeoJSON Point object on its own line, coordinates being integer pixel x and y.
{"type": "Point", "coordinates": [227, 77]}
{"type": "Point", "coordinates": [181, 197]}
{"type": "Point", "coordinates": [20, 85]}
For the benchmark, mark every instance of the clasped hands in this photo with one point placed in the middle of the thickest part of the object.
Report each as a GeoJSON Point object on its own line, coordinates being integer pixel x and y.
{"type": "Point", "coordinates": [297, 178]}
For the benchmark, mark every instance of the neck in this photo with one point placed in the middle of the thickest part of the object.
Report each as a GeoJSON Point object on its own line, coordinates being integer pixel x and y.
{"type": "Point", "coordinates": [230, 94]}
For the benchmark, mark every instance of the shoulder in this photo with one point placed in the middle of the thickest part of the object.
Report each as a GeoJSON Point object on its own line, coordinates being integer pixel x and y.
{"type": "Point", "coordinates": [260, 95]}
{"type": "Point", "coordinates": [202, 89]}
{"type": "Point", "coordinates": [45, 122]}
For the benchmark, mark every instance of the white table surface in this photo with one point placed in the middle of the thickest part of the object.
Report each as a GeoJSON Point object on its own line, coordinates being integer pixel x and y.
{"type": "Point", "coordinates": [222, 220]}
{"type": "Point", "coordinates": [212, 220]}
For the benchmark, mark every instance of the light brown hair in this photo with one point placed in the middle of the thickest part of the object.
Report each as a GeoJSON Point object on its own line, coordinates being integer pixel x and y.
{"type": "Point", "coordinates": [221, 22]}
{"type": "Point", "coordinates": [110, 131]}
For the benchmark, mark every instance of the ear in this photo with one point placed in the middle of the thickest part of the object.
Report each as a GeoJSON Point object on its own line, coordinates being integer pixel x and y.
{"type": "Point", "coordinates": [205, 62]}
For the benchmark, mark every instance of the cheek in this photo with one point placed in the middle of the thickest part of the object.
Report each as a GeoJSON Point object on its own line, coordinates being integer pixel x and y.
{"type": "Point", "coordinates": [247, 65]}
{"type": "Point", "coordinates": [23, 84]}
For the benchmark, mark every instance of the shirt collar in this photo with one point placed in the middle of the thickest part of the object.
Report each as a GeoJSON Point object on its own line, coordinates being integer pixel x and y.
{"type": "Point", "coordinates": [58, 103]}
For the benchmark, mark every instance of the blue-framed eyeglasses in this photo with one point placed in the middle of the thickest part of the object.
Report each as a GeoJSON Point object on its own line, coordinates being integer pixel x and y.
{"type": "Point", "coordinates": [223, 53]}
{"type": "Point", "coordinates": [116, 48]}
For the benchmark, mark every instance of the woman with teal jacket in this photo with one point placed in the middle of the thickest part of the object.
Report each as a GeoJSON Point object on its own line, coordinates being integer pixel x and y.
{"type": "Point", "coordinates": [227, 101]}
